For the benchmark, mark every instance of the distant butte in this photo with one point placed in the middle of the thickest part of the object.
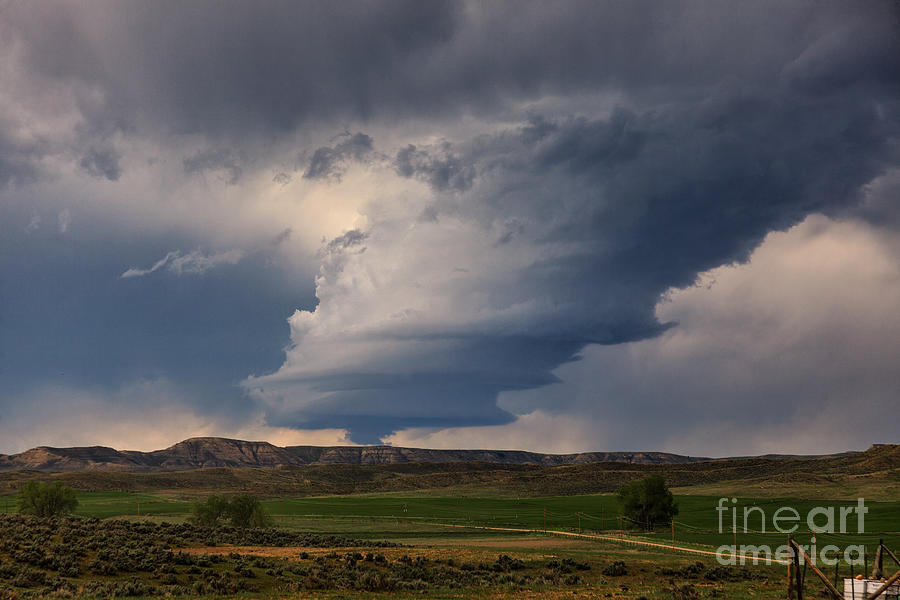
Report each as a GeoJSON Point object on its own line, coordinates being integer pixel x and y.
{"type": "Point", "coordinates": [206, 452]}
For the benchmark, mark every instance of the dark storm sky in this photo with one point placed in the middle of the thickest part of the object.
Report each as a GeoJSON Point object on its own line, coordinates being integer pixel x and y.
{"type": "Point", "coordinates": [558, 226]}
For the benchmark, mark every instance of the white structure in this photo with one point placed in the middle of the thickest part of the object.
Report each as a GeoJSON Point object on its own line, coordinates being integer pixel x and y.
{"type": "Point", "coordinates": [859, 589]}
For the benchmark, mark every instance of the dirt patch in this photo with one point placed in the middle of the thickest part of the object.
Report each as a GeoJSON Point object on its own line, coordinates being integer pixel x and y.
{"type": "Point", "coordinates": [523, 542]}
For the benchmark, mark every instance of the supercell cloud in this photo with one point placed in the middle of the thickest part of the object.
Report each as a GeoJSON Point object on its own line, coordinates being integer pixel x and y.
{"type": "Point", "coordinates": [447, 223]}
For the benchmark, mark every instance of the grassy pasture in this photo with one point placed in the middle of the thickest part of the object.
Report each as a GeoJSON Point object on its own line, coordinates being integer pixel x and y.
{"type": "Point", "coordinates": [382, 517]}
{"type": "Point", "coordinates": [376, 516]}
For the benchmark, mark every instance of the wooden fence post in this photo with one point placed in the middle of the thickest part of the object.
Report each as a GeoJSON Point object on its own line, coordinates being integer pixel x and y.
{"type": "Point", "coordinates": [892, 555]}
{"type": "Point", "coordinates": [798, 577]}
{"type": "Point", "coordinates": [734, 531]}
{"type": "Point", "coordinates": [790, 586]}
{"type": "Point", "coordinates": [837, 565]}
{"type": "Point", "coordinates": [877, 569]}
{"type": "Point", "coordinates": [808, 561]}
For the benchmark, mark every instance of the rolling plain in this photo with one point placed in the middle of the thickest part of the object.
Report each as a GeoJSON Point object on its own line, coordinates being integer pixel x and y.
{"type": "Point", "coordinates": [443, 530]}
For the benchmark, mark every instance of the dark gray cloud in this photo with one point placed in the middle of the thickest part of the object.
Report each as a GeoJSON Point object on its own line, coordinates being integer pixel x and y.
{"type": "Point", "coordinates": [440, 168]}
{"type": "Point", "coordinates": [265, 70]}
{"type": "Point", "coordinates": [330, 162]}
{"type": "Point", "coordinates": [282, 237]}
{"type": "Point", "coordinates": [20, 160]}
{"type": "Point", "coordinates": [350, 239]}
{"type": "Point", "coordinates": [102, 162]}
{"type": "Point", "coordinates": [215, 159]}
{"type": "Point", "coordinates": [251, 69]}
{"type": "Point", "coordinates": [880, 208]}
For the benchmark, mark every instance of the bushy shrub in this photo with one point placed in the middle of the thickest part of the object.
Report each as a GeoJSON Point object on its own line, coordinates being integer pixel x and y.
{"type": "Point", "coordinates": [246, 511]}
{"type": "Point", "coordinates": [690, 571]}
{"type": "Point", "coordinates": [648, 501]}
{"type": "Point", "coordinates": [505, 563]}
{"type": "Point", "coordinates": [615, 569]}
{"type": "Point", "coordinates": [28, 577]}
{"type": "Point", "coordinates": [241, 511]}
{"type": "Point", "coordinates": [46, 499]}
{"type": "Point", "coordinates": [210, 511]}
{"type": "Point", "coordinates": [684, 592]}
{"type": "Point", "coordinates": [104, 550]}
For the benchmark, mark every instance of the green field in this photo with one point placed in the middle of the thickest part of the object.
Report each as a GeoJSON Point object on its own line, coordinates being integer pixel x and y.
{"type": "Point", "coordinates": [376, 516]}
{"type": "Point", "coordinates": [468, 530]}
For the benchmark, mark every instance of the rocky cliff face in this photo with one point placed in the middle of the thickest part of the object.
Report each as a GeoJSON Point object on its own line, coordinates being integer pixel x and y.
{"type": "Point", "coordinates": [198, 453]}
{"type": "Point", "coordinates": [72, 459]}
{"type": "Point", "coordinates": [382, 455]}
{"type": "Point", "coordinates": [219, 452]}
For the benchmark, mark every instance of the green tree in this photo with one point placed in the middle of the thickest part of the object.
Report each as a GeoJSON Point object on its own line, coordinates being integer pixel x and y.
{"type": "Point", "coordinates": [647, 501]}
{"type": "Point", "coordinates": [240, 511]}
{"type": "Point", "coordinates": [247, 511]}
{"type": "Point", "coordinates": [46, 499]}
{"type": "Point", "coordinates": [210, 511]}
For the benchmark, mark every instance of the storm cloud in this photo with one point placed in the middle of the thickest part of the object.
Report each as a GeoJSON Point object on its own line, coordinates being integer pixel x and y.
{"type": "Point", "coordinates": [330, 161]}
{"type": "Point", "coordinates": [485, 194]}
{"type": "Point", "coordinates": [441, 169]}
{"type": "Point", "coordinates": [608, 214]}
{"type": "Point", "coordinates": [220, 159]}
{"type": "Point", "coordinates": [102, 162]}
